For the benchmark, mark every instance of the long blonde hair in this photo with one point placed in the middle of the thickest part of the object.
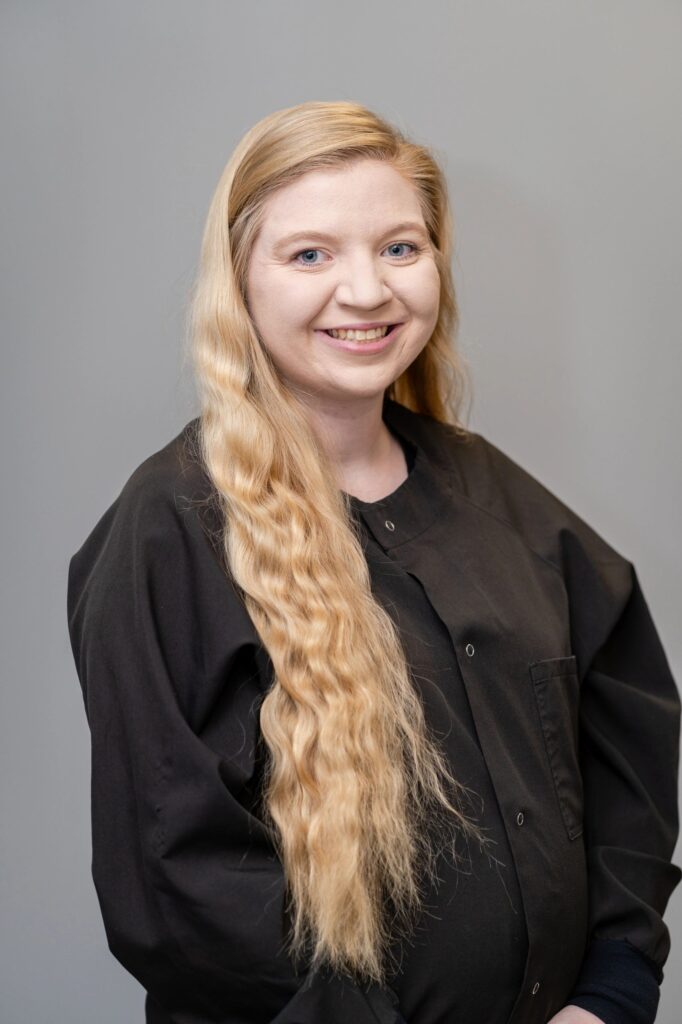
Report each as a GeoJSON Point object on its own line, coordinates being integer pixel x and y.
{"type": "Point", "coordinates": [358, 797]}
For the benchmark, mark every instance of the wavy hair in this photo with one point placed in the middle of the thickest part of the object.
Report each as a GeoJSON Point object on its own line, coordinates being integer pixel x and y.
{"type": "Point", "coordinates": [357, 795]}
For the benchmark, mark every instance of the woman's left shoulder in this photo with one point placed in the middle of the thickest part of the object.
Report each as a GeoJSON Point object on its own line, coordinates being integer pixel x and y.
{"type": "Point", "coordinates": [487, 476]}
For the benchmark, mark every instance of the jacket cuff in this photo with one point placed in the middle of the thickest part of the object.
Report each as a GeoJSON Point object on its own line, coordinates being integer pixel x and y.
{"type": "Point", "coordinates": [618, 983]}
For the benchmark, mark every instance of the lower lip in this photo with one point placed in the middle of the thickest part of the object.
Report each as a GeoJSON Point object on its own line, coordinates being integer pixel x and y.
{"type": "Point", "coordinates": [361, 346]}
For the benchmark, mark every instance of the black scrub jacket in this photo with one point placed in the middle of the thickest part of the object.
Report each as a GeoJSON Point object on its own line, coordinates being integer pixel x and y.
{"type": "Point", "coordinates": [542, 674]}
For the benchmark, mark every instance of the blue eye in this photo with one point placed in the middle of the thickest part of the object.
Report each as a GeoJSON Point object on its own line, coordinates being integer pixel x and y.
{"type": "Point", "coordinates": [394, 245]}
{"type": "Point", "coordinates": [306, 252]}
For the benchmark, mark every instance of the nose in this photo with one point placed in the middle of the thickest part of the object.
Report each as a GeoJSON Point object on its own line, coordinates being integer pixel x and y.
{"type": "Point", "coordinates": [363, 283]}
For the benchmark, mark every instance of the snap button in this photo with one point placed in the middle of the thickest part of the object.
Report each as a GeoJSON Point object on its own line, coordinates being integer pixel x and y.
{"type": "Point", "coordinates": [519, 818]}
{"type": "Point", "coordinates": [389, 525]}
{"type": "Point", "coordinates": [470, 650]}
{"type": "Point", "coordinates": [536, 986]}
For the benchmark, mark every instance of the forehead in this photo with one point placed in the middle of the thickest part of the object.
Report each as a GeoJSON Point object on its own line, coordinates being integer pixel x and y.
{"type": "Point", "coordinates": [361, 197]}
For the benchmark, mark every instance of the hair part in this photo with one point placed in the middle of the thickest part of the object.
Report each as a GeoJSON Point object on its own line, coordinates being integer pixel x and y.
{"type": "Point", "coordinates": [358, 796]}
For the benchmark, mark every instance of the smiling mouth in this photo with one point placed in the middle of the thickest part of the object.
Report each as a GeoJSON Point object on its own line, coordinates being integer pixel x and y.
{"type": "Point", "coordinates": [358, 335]}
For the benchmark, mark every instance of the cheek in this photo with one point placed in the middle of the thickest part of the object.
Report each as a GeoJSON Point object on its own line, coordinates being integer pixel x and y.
{"type": "Point", "coordinates": [422, 293]}
{"type": "Point", "coordinates": [291, 300]}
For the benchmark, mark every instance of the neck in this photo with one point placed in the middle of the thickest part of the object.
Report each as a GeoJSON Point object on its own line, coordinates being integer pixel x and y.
{"type": "Point", "coordinates": [354, 436]}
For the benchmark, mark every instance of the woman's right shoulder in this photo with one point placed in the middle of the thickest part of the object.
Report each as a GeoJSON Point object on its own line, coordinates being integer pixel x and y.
{"type": "Point", "coordinates": [169, 476]}
{"type": "Point", "coordinates": [167, 499]}
{"type": "Point", "coordinates": [150, 580]}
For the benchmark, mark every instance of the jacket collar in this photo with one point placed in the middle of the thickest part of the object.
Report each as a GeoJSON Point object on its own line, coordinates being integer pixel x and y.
{"type": "Point", "coordinates": [419, 500]}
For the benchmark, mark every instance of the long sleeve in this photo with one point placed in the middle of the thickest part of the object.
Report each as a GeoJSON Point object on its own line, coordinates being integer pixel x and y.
{"type": "Point", "coordinates": [629, 731]}
{"type": "Point", "coordinates": [629, 756]}
{"type": "Point", "coordinates": [191, 892]}
{"type": "Point", "coordinates": [617, 983]}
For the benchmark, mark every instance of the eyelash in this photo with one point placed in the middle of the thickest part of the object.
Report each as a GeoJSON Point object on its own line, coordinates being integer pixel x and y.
{"type": "Point", "coordinates": [414, 247]}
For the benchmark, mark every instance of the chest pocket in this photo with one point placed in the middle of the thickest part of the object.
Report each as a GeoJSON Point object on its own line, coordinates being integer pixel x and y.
{"type": "Point", "coordinates": [557, 695]}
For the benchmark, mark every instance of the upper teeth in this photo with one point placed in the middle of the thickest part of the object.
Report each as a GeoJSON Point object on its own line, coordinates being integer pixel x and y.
{"type": "Point", "coordinates": [376, 332]}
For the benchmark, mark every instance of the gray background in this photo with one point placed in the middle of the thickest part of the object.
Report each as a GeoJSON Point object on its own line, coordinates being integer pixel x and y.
{"type": "Point", "coordinates": [558, 125]}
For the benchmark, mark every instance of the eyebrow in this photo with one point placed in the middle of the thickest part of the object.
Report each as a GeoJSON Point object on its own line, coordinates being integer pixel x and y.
{"type": "Point", "coordinates": [321, 236]}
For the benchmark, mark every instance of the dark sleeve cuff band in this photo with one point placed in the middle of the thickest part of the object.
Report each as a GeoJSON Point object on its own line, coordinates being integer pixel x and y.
{"type": "Point", "coordinates": [618, 983]}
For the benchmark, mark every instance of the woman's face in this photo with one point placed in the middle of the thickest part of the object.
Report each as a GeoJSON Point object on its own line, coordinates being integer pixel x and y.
{"type": "Point", "coordinates": [361, 256]}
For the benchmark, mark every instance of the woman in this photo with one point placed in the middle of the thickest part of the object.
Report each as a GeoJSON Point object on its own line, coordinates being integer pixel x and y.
{"type": "Point", "coordinates": [381, 730]}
